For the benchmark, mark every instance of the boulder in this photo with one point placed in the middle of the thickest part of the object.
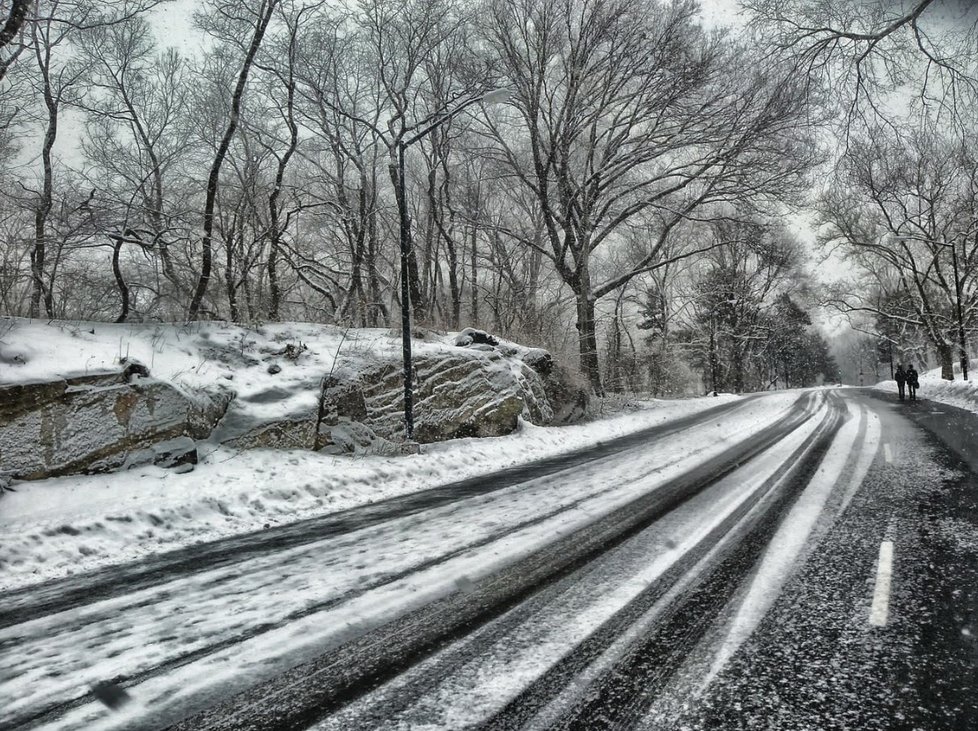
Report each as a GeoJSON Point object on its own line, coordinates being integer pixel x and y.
{"type": "Point", "coordinates": [469, 394]}
{"type": "Point", "coordinates": [92, 423]}
{"type": "Point", "coordinates": [556, 396]}
{"type": "Point", "coordinates": [134, 369]}
{"type": "Point", "coordinates": [352, 437]}
{"type": "Point", "coordinates": [178, 453]}
{"type": "Point", "coordinates": [539, 360]}
{"type": "Point", "coordinates": [289, 431]}
{"type": "Point", "coordinates": [470, 336]}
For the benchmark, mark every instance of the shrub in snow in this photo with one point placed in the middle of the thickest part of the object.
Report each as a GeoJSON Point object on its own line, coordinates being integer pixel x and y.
{"type": "Point", "coordinates": [539, 360]}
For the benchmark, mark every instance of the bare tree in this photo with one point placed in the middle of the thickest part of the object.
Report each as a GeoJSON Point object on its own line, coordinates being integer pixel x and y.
{"type": "Point", "coordinates": [864, 50]}
{"type": "Point", "coordinates": [340, 106]}
{"type": "Point", "coordinates": [50, 27]}
{"type": "Point", "coordinates": [631, 112]}
{"type": "Point", "coordinates": [225, 20]}
{"type": "Point", "coordinates": [137, 102]}
{"type": "Point", "coordinates": [905, 213]}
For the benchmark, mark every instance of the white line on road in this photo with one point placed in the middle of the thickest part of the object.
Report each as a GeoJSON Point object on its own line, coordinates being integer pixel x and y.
{"type": "Point", "coordinates": [887, 452]}
{"type": "Point", "coordinates": [881, 595]}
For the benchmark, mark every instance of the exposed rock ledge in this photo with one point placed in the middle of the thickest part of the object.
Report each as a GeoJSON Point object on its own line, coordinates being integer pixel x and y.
{"type": "Point", "coordinates": [95, 423]}
{"type": "Point", "coordinates": [107, 421]}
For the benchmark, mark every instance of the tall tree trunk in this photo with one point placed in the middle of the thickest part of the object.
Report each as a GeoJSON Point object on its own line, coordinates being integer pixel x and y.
{"type": "Point", "coordinates": [46, 199]}
{"type": "Point", "coordinates": [377, 313]}
{"type": "Point", "coordinates": [120, 280]}
{"type": "Point", "coordinates": [614, 367]}
{"type": "Point", "coordinates": [945, 354]}
{"type": "Point", "coordinates": [587, 336]}
{"type": "Point", "coordinates": [229, 285]}
{"type": "Point", "coordinates": [474, 283]}
{"type": "Point", "coordinates": [213, 178]}
{"type": "Point", "coordinates": [963, 345]}
{"type": "Point", "coordinates": [275, 294]}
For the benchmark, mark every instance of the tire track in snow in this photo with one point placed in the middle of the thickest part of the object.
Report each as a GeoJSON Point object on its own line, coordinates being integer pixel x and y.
{"type": "Point", "coordinates": [306, 693]}
{"type": "Point", "coordinates": [31, 602]}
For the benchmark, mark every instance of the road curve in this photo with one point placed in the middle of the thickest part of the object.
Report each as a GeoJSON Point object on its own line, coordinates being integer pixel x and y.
{"type": "Point", "coordinates": [173, 630]}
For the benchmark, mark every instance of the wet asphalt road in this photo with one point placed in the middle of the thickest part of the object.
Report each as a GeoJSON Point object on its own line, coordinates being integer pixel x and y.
{"type": "Point", "coordinates": [814, 660]}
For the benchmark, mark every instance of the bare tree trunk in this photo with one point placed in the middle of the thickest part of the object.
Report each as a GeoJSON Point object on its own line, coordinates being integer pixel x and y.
{"type": "Point", "coordinates": [945, 353]}
{"type": "Point", "coordinates": [229, 284]}
{"type": "Point", "coordinates": [588, 341]}
{"type": "Point", "coordinates": [119, 279]}
{"type": "Point", "coordinates": [46, 199]}
{"type": "Point", "coordinates": [16, 18]}
{"type": "Point", "coordinates": [15, 21]}
{"type": "Point", "coordinates": [213, 179]}
{"type": "Point", "coordinates": [474, 284]}
{"type": "Point", "coordinates": [377, 310]}
{"type": "Point", "coordinates": [275, 294]}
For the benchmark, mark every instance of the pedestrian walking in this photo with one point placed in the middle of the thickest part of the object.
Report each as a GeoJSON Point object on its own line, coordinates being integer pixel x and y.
{"type": "Point", "coordinates": [912, 383]}
{"type": "Point", "coordinates": [901, 378]}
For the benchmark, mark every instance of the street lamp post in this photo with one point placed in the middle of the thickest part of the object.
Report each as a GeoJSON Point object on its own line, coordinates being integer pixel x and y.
{"type": "Point", "coordinates": [401, 144]}
{"type": "Point", "coordinates": [404, 227]}
{"type": "Point", "coordinates": [962, 338]}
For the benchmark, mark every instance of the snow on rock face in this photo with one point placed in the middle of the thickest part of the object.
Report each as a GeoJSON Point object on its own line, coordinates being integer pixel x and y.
{"type": "Point", "coordinates": [92, 423]}
{"type": "Point", "coordinates": [471, 336]}
{"type": "Point", "coordinates": [282, 385]}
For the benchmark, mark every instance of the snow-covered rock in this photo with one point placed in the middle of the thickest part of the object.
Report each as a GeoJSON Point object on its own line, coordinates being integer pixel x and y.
{"type": "Point", "coordinates": [93, 423]}
{"type": "Point", "coordinates": [283, 385]}
{"type": "Point", "coordinates": [457, 394]}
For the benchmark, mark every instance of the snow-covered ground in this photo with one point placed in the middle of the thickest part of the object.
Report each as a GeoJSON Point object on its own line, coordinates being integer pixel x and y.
{"type": "Point", "coordinates": [52, 528]}
{"type": "Point", "coordinates": [205, 356]}
{"type": "Point", "coordinates": [960, 393]}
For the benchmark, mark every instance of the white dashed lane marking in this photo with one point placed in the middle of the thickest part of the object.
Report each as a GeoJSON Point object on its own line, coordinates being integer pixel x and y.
{"type": "Point", "coordinates": [880, 611]}
{"type": "Point", "coordinates": [887, 452]}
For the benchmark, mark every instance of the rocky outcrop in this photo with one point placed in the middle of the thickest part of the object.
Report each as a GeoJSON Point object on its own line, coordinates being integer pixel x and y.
{"type": "Point", "coordinates": [290, 431]}
{"type": "Point", "coordinates": [480, 391]}
{"type": "Point", "coordinates": [94, 423]}
{"type": "Point", "coordinates": [461, 395]}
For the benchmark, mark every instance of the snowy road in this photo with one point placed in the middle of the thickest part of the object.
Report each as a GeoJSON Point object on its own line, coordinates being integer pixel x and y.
{"type": "Point", "coordinates": [601, 590]}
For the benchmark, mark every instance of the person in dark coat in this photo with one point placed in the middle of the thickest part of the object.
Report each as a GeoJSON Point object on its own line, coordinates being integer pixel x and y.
{"type": "Point", "coordinates": [912, 383]}
{"type": "Point", "coordinates": [901, 378]}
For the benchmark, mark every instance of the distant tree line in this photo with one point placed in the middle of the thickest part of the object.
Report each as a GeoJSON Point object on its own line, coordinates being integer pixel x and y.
{"type": "Point", "coordinates": [901, 205]}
